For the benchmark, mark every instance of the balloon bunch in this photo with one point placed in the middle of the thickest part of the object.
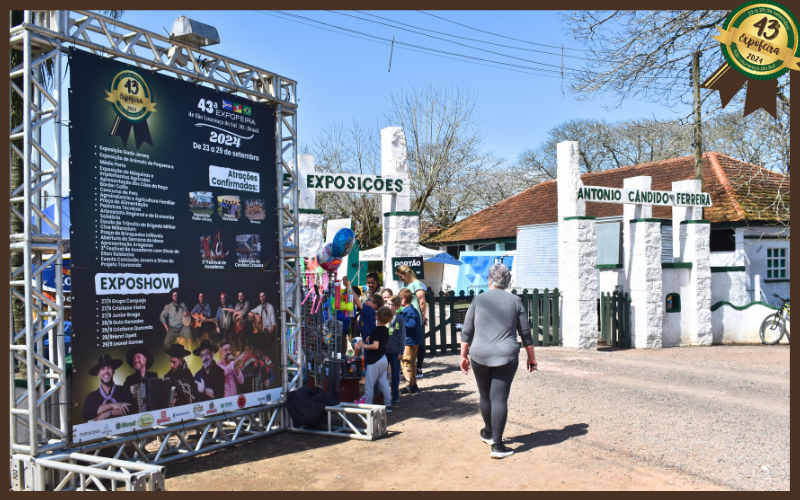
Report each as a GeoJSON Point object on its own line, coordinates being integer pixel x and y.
{"type": "Point", "coordinates": [330, 255]}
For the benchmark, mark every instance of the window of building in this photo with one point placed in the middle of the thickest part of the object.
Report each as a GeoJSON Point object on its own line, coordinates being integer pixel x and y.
{"type": "Point", "coordinates": [673, 303]}
{"type": "Point", "coordinates": [666, 241]}
{"type": "Point", "coordinates": [485, 247]}
{"type": "Point", "coordinates": [609, 243]}
{"type": "Point", "coordinates": [723, 240]}
{"type": "Point", "coordinates": [776, 263]}
{"type": "Point", "coordinates": [511, 246]}
{"type": "Point", "coordinates": [455, 250]}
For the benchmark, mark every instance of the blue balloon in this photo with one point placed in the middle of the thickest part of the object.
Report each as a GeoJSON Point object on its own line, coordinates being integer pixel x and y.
{"type": "Point", "coordinates": [343, 242]}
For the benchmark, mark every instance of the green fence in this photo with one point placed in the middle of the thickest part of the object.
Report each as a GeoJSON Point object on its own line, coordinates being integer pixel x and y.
{"type": "Point", "coordinates": [443, 333]}
{"type": "Point", "coordinates": [615, 319]}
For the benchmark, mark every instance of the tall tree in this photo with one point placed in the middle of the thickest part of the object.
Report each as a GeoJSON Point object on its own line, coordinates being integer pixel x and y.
{"type": "Point", "coordinates": [756, 139]}
{"type": "Point", "coordinates": [352, 150]}
{"type": "Point", "coordinates": [654, 55]}
{"type": "Point", "coordinates": [444, 155]}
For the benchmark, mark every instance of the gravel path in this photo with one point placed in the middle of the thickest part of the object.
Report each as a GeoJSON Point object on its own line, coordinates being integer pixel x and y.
{"type": "Point", "coordinates": [674, 419]}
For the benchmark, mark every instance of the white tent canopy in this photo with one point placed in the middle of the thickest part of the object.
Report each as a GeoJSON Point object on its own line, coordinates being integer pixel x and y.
{"type": "Point", "coordinates": [376, 254]}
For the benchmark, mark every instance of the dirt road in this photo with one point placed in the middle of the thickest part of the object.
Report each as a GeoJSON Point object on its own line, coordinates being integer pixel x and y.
{"type": "Point", "coordinates": [709, 418]}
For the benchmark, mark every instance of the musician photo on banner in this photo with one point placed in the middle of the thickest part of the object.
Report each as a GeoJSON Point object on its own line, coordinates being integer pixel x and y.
{"type": "Point", "coordinates": [204, 352]}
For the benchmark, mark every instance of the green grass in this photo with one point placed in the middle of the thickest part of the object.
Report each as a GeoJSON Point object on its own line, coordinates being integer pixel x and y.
{"type": "Point", "coordinates": [204, 211]}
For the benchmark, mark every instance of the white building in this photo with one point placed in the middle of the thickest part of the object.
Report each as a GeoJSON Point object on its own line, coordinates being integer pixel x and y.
{"type": "Point", "coordinates": [750, 258]}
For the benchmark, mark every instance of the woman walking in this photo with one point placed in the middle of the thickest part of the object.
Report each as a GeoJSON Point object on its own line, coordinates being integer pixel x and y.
{"type": "Point", "coordinates": [489, 337]}
{"type": "Point", "coordinates": [417, 288]}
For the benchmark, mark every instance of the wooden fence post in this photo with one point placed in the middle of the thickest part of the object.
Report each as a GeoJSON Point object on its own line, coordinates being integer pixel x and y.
{"type": "Point", "coordinates": [627, 318]}
{"type": "Point", "coordinates": [615, 324]}
{"type": "Point", "coordinates": [526, 306]}
{"type": "Point", "coordinates": [442, 325]}
{"type": "Point", "coordinates": [431, 300]}
{"type": "Point", "coordinates": [556, 318]}
{"type": "Point", "coordinates": [546, 318]}
{"type": "Point", "coordinates": [539, 341]}
{"type": "Point", "coordinates": [603, 317]}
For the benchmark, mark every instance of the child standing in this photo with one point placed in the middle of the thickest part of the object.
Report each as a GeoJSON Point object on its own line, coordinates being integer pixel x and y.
{"type": "Point", "coordinates": [395, 346]}
{"type": "Point", "coordinates": [366, 312]}
{"type": "Point", "coordinates": [376, 360]}
{"type": "Point", "coordinates": [413, 340]}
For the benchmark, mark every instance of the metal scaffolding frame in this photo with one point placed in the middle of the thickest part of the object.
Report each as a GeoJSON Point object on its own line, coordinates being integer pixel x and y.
{"type": "Point", "coordinates": [350, 420]}
{"type": "Point", "coordinates": [45, 458]}
{"type": "Point", "coordinates": [85, 473]}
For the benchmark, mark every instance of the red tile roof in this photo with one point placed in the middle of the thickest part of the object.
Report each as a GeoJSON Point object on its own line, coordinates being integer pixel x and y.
{"type": "Point", "coordinates": [739, 191]}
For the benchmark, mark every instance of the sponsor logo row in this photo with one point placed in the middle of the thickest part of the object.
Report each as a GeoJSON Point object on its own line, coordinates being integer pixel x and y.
{"type": "Point", "coordinates": [161, 417]}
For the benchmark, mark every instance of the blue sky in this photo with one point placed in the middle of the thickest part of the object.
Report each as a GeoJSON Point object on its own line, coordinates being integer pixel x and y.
{"type": "Point", "coordinates": [341, 77]}
{"type": "Point", "coordinates": [345, 77]}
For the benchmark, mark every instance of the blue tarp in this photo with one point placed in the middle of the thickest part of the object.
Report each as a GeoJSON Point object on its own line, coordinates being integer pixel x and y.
{"type": "Point", "coordinates": [474, 272]}
{"type": "Point", "coordinates": [66, 222]}
{"type": "Point", "coordinates": [444, 258]}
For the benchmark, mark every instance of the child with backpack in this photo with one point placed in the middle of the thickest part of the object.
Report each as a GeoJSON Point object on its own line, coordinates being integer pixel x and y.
{"type": "Point", "coordinates": [413, 325]}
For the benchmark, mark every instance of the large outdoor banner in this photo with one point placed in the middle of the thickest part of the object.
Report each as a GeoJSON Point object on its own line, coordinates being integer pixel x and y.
{"type": "Point", "coordinates": [174, 250]}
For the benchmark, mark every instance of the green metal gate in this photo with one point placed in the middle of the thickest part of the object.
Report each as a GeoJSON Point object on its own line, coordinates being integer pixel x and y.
{"type": "Point", "coordinates": [615, 319]}
{"type": "Point", "coordinates": [443, 333]}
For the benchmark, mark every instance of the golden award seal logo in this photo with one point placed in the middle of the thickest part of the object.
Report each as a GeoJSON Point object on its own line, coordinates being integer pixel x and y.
{"type": "Point", "coordinates": [759, 41]}
{"type": "Point", "coordinates": [132, 100]}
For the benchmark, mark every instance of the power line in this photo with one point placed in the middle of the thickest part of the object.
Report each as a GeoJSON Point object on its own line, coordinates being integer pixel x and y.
{"type": "Point", "coordinates": [423, 48]}
{"type": "Point", "coordinates": [559, 71]}
{"type": "Point", "coordinates": [501, 36]}
{"type": "Point", "coordinates": [460, 37]}
{"type": "Point", "coordinates": [457, 43]}
{"type": "Point", "coordinates": [386, 42]}
{"type": "Point", "coordinates": [540, 44]}
{"type": "Point", "coordinates": [318, 27]}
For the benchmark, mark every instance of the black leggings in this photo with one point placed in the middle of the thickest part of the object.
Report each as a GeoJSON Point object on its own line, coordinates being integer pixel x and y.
{"type": "Point", "coordinates": [494, 384]}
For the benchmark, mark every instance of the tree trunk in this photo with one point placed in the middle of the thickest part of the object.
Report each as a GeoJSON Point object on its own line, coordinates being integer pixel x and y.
{"type": "Point", "coordinates": [698, 125]}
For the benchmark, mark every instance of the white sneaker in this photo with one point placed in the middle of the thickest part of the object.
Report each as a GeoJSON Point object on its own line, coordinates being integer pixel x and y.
{"type": "Point", "coordinates": [500, 451]}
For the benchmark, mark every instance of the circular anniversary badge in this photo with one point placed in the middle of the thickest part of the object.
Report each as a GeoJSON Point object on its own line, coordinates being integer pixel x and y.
{"type": "Point", "coordinates": [759, 39]}
{"type": "Point", "coordinates": [131, 97]}
{"type": "Point", "coordinates": [132, 100]}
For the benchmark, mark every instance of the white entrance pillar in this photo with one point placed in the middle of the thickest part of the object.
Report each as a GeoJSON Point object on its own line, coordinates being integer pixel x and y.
{"type": "Point", "coordinates": [309, 218]}
{"type": "Point", "coordinates": [680, 214]}
{"type": "Point", "coordinates": [400, 224]}
{"type": "Point", "coordinates": [394, 163]}
{"type": "Point", "coordinates": [642, 266]}
{"type": "Point", "coordinates": [693, 245]}
{"type": "Point", "coordinates": [577, 255]}
{"type": "Point", "coordinates": [695, 238]}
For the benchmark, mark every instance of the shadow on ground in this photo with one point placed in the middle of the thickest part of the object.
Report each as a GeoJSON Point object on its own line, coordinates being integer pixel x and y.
{"type": "Point", "coordinates": [549, 437]}
{"type": "Point", "coordinates": [610, 348]}
{"type": "Point", "coordinates": [433, 401]}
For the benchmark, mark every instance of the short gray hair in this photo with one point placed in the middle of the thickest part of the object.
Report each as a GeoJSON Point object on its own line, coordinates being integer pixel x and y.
{"type": "Point", "coordinates": [500, 276]}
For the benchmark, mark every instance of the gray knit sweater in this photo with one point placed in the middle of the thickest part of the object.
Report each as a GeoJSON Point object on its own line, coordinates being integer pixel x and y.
{"type": "Point", "coordinates": [492, 322]}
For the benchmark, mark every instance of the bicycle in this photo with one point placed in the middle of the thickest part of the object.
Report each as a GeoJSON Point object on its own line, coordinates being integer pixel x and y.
{"type": "Point", "coordinates": [774, 326]}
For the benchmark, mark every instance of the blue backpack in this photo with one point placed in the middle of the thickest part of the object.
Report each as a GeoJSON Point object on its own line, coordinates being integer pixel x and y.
{"type": "Point", "coordinates": [413, 325]}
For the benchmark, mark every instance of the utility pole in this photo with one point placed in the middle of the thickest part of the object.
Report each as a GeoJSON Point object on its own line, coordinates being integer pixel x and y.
{"type": "Point", "coordinates": [391, 52]}
{"type": "Point", "coordinates": [562, 70]}
{"type": "Point", "coordinates": [698, 125]}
